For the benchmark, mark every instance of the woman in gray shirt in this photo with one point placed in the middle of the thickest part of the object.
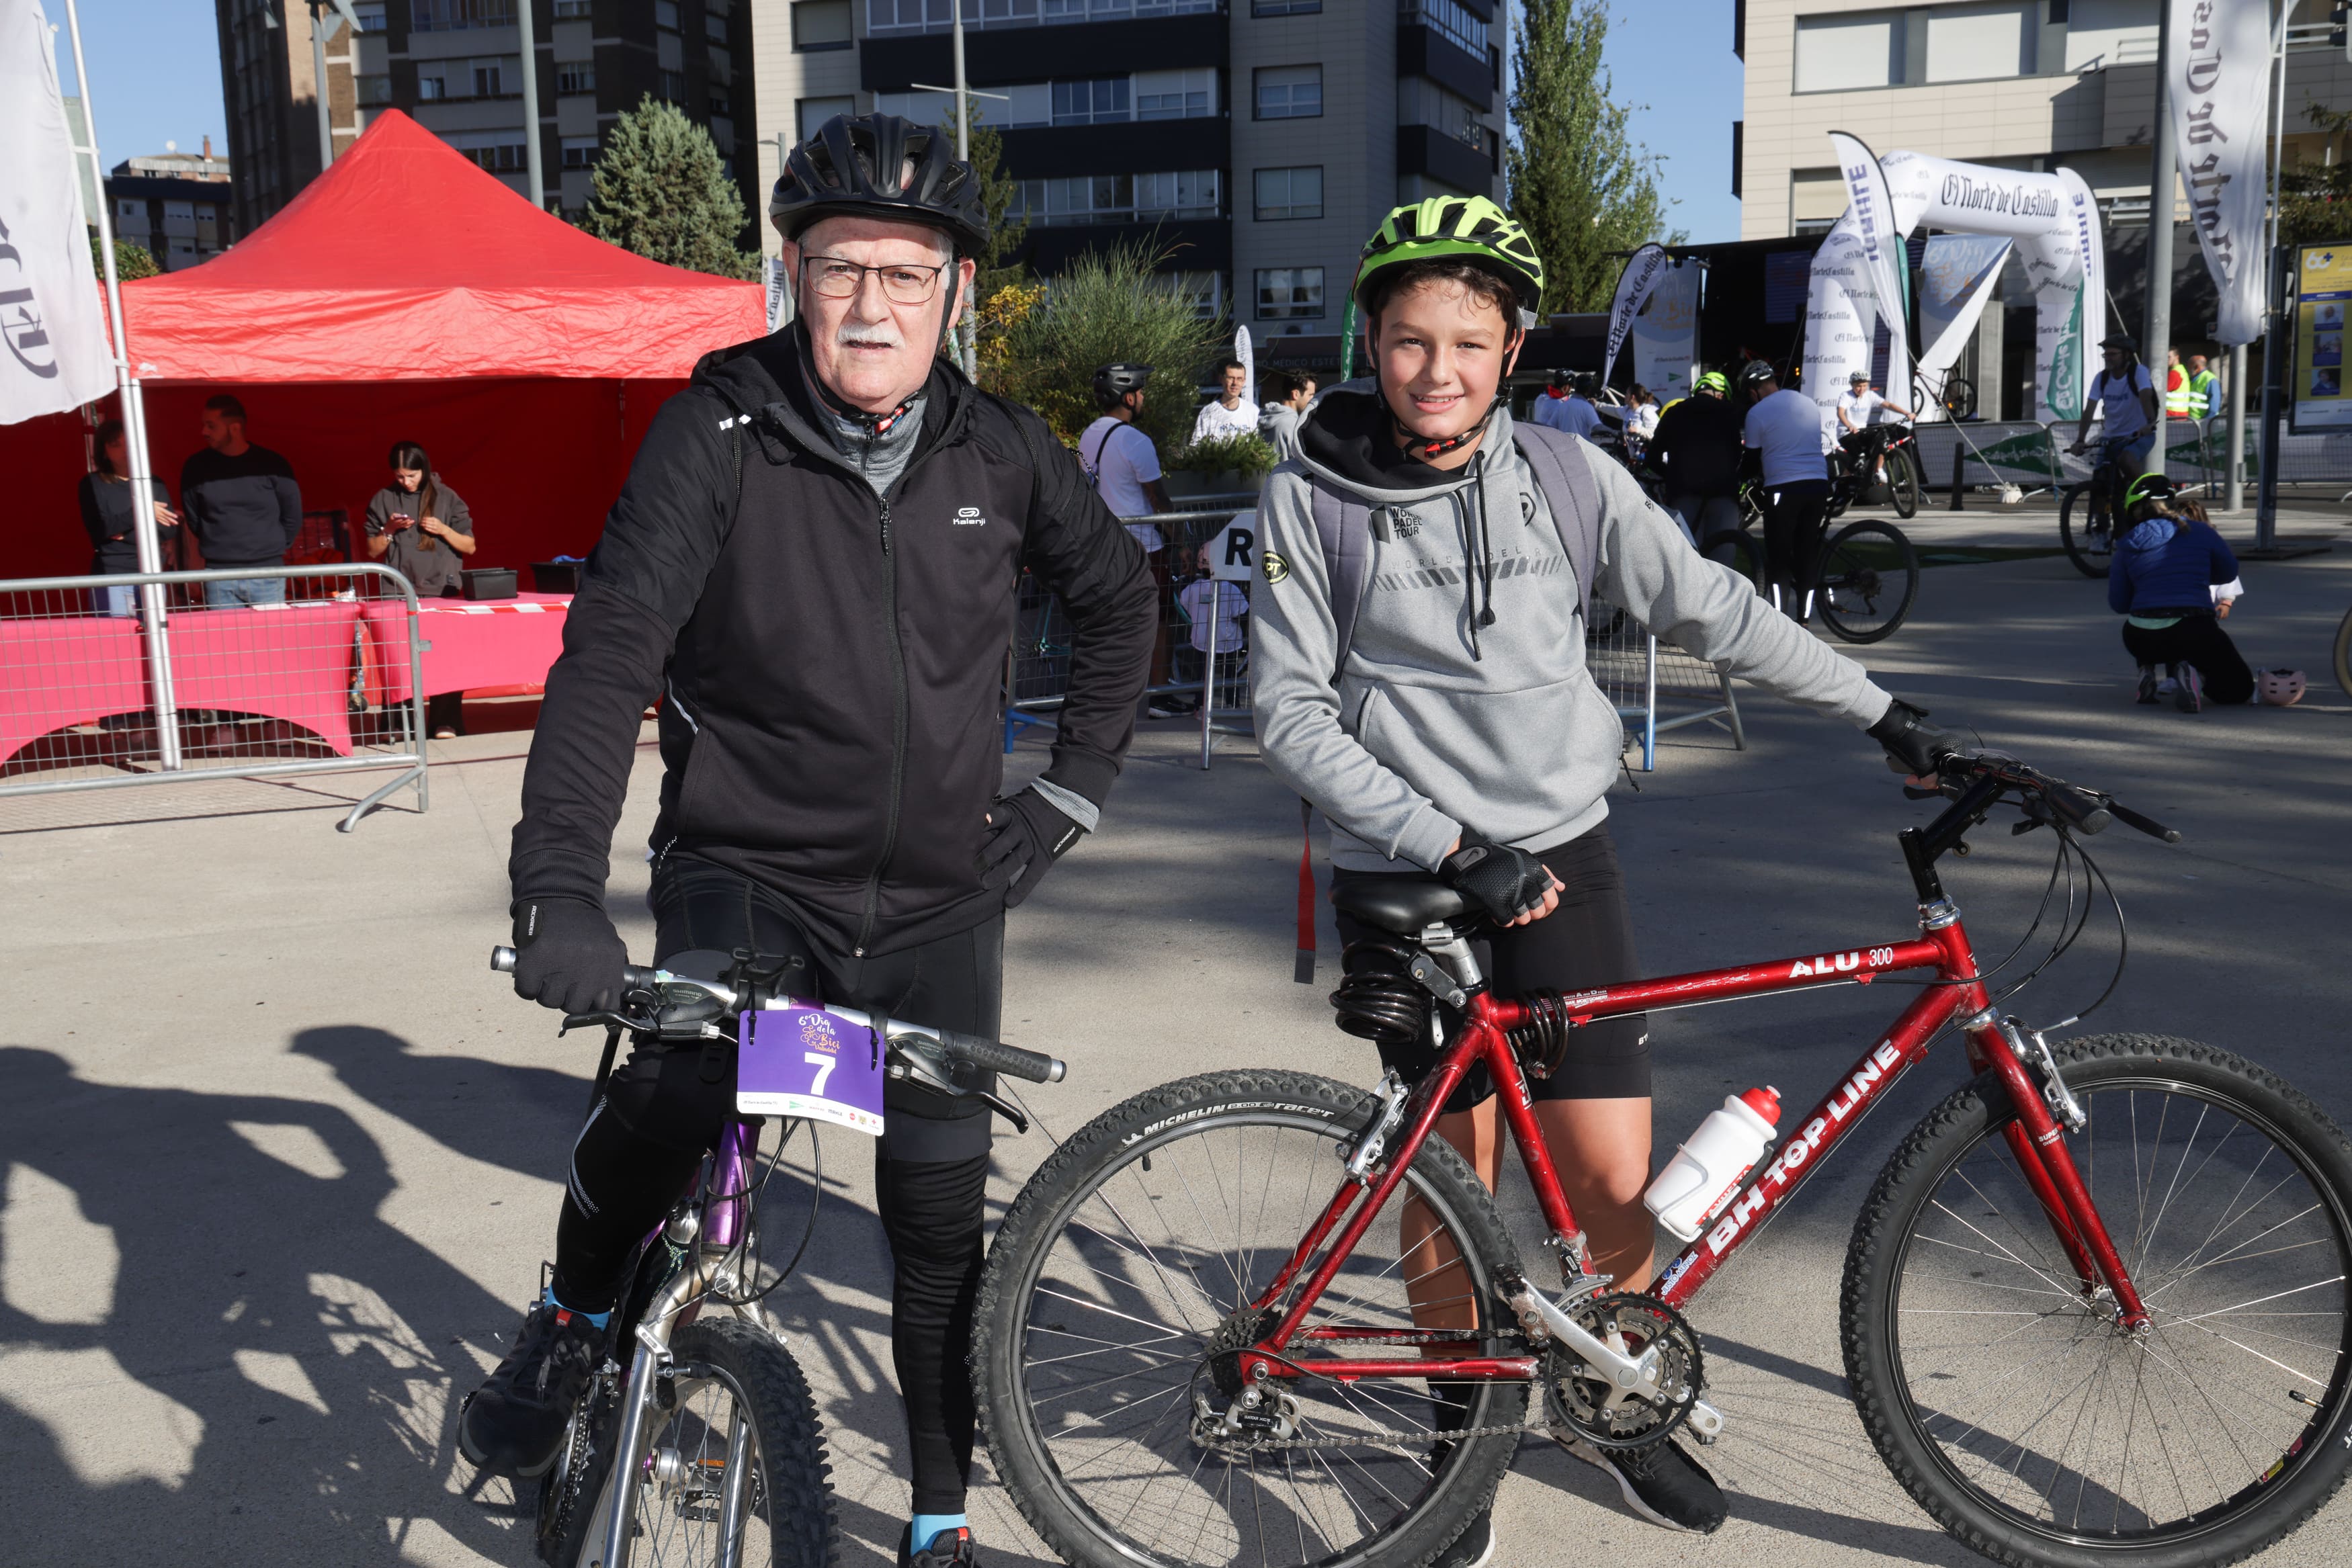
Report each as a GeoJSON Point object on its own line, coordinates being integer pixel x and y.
{"type": "Point", "coordinates": [420, 528]}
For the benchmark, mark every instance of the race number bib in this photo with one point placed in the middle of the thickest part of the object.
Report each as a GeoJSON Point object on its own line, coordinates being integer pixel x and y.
{"type": "Point", "coordinates": [801, 1061]}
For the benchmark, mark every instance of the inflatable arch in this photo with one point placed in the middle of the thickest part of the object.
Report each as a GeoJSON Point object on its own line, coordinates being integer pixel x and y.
{"type": "Point", "coordinates": [2053, 224]}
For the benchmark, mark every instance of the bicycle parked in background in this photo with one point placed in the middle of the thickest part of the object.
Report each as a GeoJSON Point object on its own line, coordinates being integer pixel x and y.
{"type": "Point", "coordinates": [2095, 1311]}
{"type": "Point", "coordinates": [1865, 579]}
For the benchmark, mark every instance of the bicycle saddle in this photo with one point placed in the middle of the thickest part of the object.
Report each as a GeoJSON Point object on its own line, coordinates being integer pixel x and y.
{"type": "Point", "coordinates": [1404, 905]}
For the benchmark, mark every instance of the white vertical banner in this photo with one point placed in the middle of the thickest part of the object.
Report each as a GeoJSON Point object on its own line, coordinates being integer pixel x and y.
{"type": "Point", "coordinates": [780, 296]}
{"type": "Point", "coordinates": [1249, 368]}
{"type": "Point", "coordinates": [2220, 58]}
{"type": "Point", "coordinates": [1665, 335]}
{"type": "Point", "coordinates": [1643, 270]}
{"type": "Point", "coordinates": [51, 322]}
{"type": "Point", "coordinates": [1885, 262]}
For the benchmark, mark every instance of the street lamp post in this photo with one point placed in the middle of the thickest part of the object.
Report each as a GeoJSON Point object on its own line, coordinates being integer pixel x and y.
{"type": "Point", "coordinates": [530, 160]}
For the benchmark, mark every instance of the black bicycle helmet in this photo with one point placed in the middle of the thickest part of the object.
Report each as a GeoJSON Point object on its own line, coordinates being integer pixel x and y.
{"type": "Point", "coordinates": [880, 166]}
{"type": "Point", "coordinates": [1118, 381]}
{"type": "Point", "coordinates": [1756, 373]}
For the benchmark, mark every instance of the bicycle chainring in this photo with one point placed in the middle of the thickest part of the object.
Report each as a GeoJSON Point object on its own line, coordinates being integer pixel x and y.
{"type": "Point", "coordinates": [1610, 1417]}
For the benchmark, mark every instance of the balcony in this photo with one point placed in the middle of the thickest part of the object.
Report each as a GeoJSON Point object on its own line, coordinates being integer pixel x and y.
{"type": "Point", "coordinates": [1047, 54]}
{"type": "Point", "coordinates": [1200, 245]}
{"type": "Point", "coordinates": [1052, 152]}
{"type": "Point", "coordinates": [1426, 150]}
{"type": "Point", "coordinates": [1424, 51]}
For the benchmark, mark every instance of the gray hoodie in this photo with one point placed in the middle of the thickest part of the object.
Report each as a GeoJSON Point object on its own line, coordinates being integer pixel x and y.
{"type": "Point", "coordinates": [1442, 720]}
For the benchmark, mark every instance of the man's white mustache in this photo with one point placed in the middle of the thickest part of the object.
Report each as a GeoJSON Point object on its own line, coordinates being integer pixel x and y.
{"type": "Point", "coordinates": [868, 335]}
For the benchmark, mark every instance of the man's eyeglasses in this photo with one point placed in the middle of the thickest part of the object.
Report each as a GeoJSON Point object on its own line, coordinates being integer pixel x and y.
{"type": "Point", "coordinates": [903, 282]}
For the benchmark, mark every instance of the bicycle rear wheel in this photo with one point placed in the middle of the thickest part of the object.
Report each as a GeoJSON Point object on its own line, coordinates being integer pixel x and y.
{"type": "Point", "coordinates": [2088, 534]}
{"type": "Point", "coordinates": [1124, 1270]}
{"type": "Point", "coordinates": [732, 1453]}
{"type": "Point", "coordinates": [1869, 577]}
{"type": "Point", "coordinates": [2019, 1413]}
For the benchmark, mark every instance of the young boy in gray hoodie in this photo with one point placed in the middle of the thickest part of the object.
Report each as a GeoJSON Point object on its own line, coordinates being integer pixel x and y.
{"type": "Point", "coordinates": [1435, 704]}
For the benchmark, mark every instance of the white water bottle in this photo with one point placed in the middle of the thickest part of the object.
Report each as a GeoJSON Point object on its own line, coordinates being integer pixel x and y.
{"type": "Point", "coordinates": [1706, 1172]}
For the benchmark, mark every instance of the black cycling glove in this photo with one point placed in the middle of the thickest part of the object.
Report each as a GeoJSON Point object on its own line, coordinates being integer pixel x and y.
{"type": "Point", "coordinates": [1026, 835]}
{"type": "Point", "coordinates": [567, 955]}
{"type": "Point", "coordinates": [1504, 881]}
{"type": "Point", "coordinates": [1912, 746]}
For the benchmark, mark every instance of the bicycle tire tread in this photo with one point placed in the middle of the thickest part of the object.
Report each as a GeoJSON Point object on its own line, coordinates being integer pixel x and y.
{"type": "Point", "coordinates": [1874, 1401]}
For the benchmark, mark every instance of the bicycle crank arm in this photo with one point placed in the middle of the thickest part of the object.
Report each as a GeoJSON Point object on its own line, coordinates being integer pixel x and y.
{"type": "Point", "coordinates": [1638, 1377]}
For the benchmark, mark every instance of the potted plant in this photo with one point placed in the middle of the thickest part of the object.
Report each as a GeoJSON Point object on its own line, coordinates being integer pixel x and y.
{"type": "Point", "coordinates": [1220, 466]}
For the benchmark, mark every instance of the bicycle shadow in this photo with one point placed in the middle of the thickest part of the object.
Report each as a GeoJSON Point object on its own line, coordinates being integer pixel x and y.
{"type": "Point", "coordinates": [267, 1359]}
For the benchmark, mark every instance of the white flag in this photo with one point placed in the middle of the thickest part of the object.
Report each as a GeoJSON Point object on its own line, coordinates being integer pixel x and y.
{"type": "Point", "coordinates": [2220, 94]}
{"type": "Point", "coordinates": [50, 319]}
{"type": "Point", "coordinates": [1873, 211]}
{"type": "Point", "coordinates": [1643, 269]}
{"type": "Point", "coordinates": [1249, 367]}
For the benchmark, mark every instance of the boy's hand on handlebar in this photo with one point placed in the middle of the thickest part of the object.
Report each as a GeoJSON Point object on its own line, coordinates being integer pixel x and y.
{"type": "Point", "coordinates": [1914, 745]}
{"type": "Point", "coordinates": [1512, 886]}
{"type": "Point", "coordinates": [567, 955]}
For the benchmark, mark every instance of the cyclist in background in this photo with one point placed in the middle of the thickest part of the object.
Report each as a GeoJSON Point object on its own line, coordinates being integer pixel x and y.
{"type": "Point", "coordinates": [1697, 451]}
{"type": "Point", "coordinates": [1783, 428]}
{"type": "Point", "coordinates": [2124, 389]}
{"type": "Point", "coordinates": [813, 569]}
{"type": "Point", "coordinates": [1451, 729]}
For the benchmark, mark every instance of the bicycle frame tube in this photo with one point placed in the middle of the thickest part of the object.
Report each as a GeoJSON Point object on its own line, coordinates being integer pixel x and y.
{"type": "Point", "coordinates": [2036, 1142]}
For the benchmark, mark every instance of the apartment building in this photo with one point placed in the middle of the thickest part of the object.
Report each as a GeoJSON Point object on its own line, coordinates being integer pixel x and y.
{"type": "Point", "coordinates": [179, 207]}
{"type": "Point", "coordinates": [455, 65]}
{"type": "Point", "coordinates": [2026, 84]}
{"type": "Point", "coordinates": [1257, 142]}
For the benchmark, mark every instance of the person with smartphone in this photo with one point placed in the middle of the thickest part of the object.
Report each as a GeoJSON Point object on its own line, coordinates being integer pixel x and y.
{"type": "Point", "coordinates": [420, 528]}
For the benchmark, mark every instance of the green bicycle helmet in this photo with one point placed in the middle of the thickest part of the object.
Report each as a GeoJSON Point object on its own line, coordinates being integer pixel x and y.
{"type": "Point", "coordinates": [1468, 228]}
{"type": "Point", "coordinates": [2148, 488]}
{"type": "Point", "coordinates": [1713, 381]}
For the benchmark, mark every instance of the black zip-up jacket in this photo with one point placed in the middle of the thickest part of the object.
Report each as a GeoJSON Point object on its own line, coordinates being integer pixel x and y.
{"type": "Point", "coordinates": [828, 664]}
{"type": "Point", "coordinates": [245, 510]}
{"type": "Point", "coordinates": [1697, 446]}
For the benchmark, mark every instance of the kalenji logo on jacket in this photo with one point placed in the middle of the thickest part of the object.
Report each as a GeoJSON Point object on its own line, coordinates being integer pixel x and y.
{"type": "Point", "coordinates": [969, 517]}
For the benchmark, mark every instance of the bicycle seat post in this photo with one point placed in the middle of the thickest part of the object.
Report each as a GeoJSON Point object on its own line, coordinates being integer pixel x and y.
{"type": "Point", "coordinates": [1453, 949]}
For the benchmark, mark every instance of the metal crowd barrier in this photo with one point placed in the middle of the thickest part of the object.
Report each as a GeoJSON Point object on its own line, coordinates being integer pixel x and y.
{"type": "Point", "coordinates": [1635, 671]}
{"type": "Point", "coordinates": [118, 682]}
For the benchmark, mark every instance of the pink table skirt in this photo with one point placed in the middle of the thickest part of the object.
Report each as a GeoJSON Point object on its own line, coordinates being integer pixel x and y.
{"type": "Point", "coordinates": [293, 663]}
{"type": "Point", "coordinates": [503, 643]}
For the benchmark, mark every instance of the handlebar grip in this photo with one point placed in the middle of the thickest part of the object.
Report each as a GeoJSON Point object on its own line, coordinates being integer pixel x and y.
{"type": "Point", "coordinates": [2084, 813]}
{"type": "Point", "coordinates": [2148, 825]}
{"type": "Point", "coordinates": [502, 960]}
{"type": "Point", "coordinates": [1000, 1057]}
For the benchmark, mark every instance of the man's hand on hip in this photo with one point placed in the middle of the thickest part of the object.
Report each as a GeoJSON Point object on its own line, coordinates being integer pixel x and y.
{"type": "Point", "coordinates": [1026, 835]}
{"type": "Point", "coordinates": [567, 955]}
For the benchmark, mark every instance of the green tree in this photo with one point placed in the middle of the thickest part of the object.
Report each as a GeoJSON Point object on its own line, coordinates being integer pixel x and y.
{"type": "Point", "coordinates": [1107, 307]}
{"type": "Point", "coordinates": [2315, 198]}
{"type": "Point", "coordinates": [998, 267]}
{"type": "Point", "coordinates": [130, 261]}
{"type": "Point", "coordinates": [1578, 181]}
{"type": "Point", "coordinates": [660, 189]}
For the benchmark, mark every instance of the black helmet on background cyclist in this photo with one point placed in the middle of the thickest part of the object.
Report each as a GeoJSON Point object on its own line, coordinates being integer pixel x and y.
{"type": "Point", "coordinates": [1116, 380]}
{"type": "Point", "coordinates": [880, 166]}
{"type": "Point", "coordinates": [2124, 340]}
{"type": "Point", "coordinates": [1756, 375]}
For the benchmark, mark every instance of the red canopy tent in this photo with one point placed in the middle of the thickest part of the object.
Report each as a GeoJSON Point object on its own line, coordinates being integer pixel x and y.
{"type": "Point", "coordinates": [407, 295]}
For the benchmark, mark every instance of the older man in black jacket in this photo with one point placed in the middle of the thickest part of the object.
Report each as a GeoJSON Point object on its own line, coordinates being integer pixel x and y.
{"type": "Point", "coordinates": [813, 570]}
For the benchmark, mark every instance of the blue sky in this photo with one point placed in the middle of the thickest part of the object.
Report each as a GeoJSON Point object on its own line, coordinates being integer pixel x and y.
{"type": "Point", "coordinates": [155, 63]}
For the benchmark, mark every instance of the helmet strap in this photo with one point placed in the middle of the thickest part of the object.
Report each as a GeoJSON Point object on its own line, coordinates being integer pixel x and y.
{"type": "Point", "coordinates": [876, 424]}
{"type": "Point", "coordinates": [1425, 449]}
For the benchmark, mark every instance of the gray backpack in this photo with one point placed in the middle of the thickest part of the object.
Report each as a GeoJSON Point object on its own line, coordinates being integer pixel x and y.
{"type": "Point", "coordinates": [1563, 472]}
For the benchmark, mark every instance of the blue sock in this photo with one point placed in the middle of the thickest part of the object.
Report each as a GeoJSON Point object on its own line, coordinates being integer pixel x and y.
{"type": "Point", "coordinates": [928, 1526]}
{"type": "Point", "coordinates": [599, 1319]}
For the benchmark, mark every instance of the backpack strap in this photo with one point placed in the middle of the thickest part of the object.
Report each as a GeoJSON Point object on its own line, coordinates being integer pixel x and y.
{"type": "Point", "coordinates": [1343, 525]}
{"type": "Point", "coordinates": [1564, 474]}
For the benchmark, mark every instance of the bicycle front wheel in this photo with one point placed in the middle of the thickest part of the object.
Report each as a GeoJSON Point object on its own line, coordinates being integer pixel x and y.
{"type": "Point", "coordinates": [2086, 527]}
{"type": "Point", "coordinates": [1869, 578]}
{"type": "Point", "coordinates": [1122, 1280]}
{"type": "Point", "coordinates": [731, 1470]}
{"type": "Point", "coordinates": [2014, 1407]}
{"type": "Point", "coordinates": [1903, 482]}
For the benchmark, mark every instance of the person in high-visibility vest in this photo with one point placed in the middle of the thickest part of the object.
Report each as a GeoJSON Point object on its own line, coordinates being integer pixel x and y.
{"type": "Point", "coordinates": [2176, 386]}
{"type": "Point", "coordinates": [2204, 388]}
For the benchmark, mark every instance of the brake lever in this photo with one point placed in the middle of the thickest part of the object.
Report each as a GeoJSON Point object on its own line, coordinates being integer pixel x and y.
{"type": "Point", "coordinates": [916, 1061]}
{"type": "Point", "coordinates": [607, 1020]}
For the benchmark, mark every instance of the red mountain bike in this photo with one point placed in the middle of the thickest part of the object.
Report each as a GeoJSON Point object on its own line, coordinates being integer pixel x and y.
{"type": "Point", "coordinates": [2094, 1309]}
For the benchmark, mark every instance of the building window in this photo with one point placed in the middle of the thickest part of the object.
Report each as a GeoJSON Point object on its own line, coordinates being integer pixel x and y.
{"type": "Point", "coordinates": [1981, 43]}
{"type": "Point", "coordinates": [370, 15]}
{"type": "Point", "coordinates": [1182, 193]}
{"type": "Point", "coordinates": [575, 76]}
{"type": "Point", "coordinates": [1090, 102]}
{"type": "Point", "coordinates": [1837, 54]}
{"type": "Point", "coordinates": [1452, 20]}
{"type": "Point", "coordinates": [1119, 198]}
{"type": "Point", "coordinates": [574, 10]}
{"type": "Point", "coordinates": [815, 112]}
{"type": "Point", "coordinates": [457, 16]}
{"type": "Point", "coordinates": [579, 152]}
{"type": "Point", "coordinates": [1204, 290]}
{"type": "Point", "coordinates": [670, 86]}
{"type": "Point", "coordinates": [1290, 92]}
{"type": "Point", "coordinates": [722, 136]}
{"type": "Point", "coordinates": [499, 152]}
{"type": "Point", "coordinates": [1281, 194]}
{"type": "Point", "coordinates": [1175, 95]}
{"type": "Point", "coordinates": [1284, 7]}
{"type": "Point", "coordinates": [432, 84]}
{"type": "Point", "coordinates": [721, 104]}
{"type": "Point", "coordinates": [714, 27]}
{"type": "Point", "coordinates": [1422, 102]}
{"type": "Point", "coordinates": [373, 91]}
{"type": "Point", "coordinates": [496, 77]}
{"type": "Point", "coordinates": [821, 25]}
{"type": "Point", "coordinates": [666, 15]}
{"type": "Point", "coordinates": [722, 65]}
{"type": "Point", "coordinates": [1290, 293]}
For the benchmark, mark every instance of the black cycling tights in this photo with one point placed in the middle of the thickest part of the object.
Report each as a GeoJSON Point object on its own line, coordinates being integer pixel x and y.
{"type": "Point", "coordinates": [1793, 520]}
{"type": "Point", "coordinates": [659, 1114]}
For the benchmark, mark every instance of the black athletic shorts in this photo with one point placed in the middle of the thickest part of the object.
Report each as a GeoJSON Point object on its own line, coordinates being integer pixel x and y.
{"type": "Point", "coordinates": [1585, 943]}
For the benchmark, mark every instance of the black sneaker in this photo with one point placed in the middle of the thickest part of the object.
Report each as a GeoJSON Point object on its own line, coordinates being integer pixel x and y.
{"type": "Point", "coordinates": [2147, 685]}
{"type": "Point", "coordinates": [1665, 1486]}
{"type": "Point", "coordinates": [1473, 1548]}
{"type": "Point", "coordinates": [949, 1549]}
{"type": "Point", "coordinates": [513, 1424]}
{"type": "Point", "coordinates": [2189, 697]}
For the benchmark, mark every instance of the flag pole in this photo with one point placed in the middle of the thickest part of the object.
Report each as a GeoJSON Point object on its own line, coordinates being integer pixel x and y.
{"type": "Point", "coordinates": [135, 429]}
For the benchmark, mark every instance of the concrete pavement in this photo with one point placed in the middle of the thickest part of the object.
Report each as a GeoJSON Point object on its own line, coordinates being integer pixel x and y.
{"type": "Point", "coordinates": [281, 1155]}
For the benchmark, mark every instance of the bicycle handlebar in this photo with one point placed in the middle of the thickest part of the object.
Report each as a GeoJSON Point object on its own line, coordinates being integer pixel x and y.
{"type": "Point", "coordinates": [2084, 810]}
